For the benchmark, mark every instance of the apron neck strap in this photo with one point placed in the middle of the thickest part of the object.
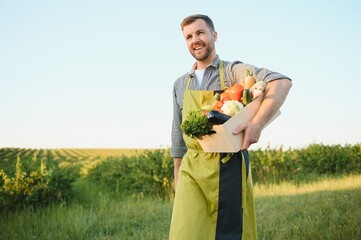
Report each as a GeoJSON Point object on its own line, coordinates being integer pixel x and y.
{"type": "Point", "coordinates": [221, 76]}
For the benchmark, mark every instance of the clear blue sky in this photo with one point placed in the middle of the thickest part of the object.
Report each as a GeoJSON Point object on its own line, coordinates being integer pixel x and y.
{"type": "Point", "coordinates": [100, 73]}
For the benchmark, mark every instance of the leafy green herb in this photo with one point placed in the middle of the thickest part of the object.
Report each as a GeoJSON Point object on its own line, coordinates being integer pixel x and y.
{"type": "Point", "coordinates": [196, 125]}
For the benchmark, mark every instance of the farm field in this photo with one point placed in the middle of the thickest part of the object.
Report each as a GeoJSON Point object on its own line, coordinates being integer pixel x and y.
{"type": "Point", "coordinates": [7, 154]}
{"type": "Point", "coordinates": [332, 212]}
{"type": "Point", "coordinates": [321, 207]}
{"type": "Point", "coordinates": [85, 158]}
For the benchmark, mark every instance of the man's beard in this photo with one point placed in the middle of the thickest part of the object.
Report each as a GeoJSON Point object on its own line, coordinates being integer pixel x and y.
{"type": "Point", "coordinates": [208, 51]}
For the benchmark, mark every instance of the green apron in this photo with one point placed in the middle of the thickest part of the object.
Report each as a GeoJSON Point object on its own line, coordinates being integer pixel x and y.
{"type": "Point", "coordinates": [214, 197]}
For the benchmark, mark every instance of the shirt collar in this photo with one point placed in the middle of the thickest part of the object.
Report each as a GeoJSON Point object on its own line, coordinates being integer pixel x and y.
{"type": "Point", "coordinates": [214, 64]}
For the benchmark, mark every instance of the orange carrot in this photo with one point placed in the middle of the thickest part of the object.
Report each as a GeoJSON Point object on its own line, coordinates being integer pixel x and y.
{"type": "Point", "coordinates": [249, 80]}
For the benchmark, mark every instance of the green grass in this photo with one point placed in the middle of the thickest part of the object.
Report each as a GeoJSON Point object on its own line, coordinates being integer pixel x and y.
{"type": "Point", "coordinates": [146, 219]}
{"type": "Point", "coordinates": [327, 209]}
{"type": "Point", "coordinates": [92, 215]}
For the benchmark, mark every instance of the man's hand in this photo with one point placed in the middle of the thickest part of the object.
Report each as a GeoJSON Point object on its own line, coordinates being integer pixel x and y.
{"type": "Point", "coordinates": [251, 133]}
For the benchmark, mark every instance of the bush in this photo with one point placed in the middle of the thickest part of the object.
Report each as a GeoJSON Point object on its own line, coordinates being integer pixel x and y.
{"type": "Point", "coordinates": [151, 172]}
{"type": "Point", "coordinates": [35, 188]}
{"type": "Point", "coordinates": [276, 165]}
{"type": "Point", "coordinates": [148, 173]}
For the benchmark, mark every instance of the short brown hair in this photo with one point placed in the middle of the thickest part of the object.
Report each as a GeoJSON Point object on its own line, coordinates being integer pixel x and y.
{"type": "Point", "coordinates": [190, 19]}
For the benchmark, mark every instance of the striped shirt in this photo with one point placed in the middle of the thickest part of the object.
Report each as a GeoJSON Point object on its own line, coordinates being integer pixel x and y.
{"type": "Point", "coordinates": [233, 73]}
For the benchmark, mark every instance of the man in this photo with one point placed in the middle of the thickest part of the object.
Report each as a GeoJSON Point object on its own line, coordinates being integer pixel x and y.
{"type": "Point", "coordinates": [214, 198]}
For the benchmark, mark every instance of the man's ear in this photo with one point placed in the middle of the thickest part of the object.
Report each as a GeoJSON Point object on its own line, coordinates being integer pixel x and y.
{"type": "Point", "coordinates": [215, 35]}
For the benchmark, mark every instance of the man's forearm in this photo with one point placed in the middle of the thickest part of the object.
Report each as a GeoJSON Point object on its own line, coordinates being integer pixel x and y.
{"type": "Point", "coordinates": [275, 95]}
{"type": "Point", "coordinates": [177, 163]}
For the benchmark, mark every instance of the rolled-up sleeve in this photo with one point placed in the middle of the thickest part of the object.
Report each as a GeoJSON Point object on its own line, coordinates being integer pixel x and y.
{"type": "Point", "coordinates": [178, 147]}
{"type": "Point", "coordinates": [236, 71]}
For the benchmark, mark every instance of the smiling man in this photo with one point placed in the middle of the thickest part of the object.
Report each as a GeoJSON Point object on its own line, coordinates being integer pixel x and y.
{"type": "Point", "coordinates": [201, 42]}
{"type": "Point", "coordinates": [214, 198]}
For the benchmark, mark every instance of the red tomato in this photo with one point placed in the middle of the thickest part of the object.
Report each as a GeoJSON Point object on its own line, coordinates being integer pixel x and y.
{"type": "Point", "coordinates": [235, 92]}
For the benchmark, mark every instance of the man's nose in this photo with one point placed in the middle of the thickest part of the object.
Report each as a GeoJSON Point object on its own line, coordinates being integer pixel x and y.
{"type": "Point", "coordinates": [195, 39]}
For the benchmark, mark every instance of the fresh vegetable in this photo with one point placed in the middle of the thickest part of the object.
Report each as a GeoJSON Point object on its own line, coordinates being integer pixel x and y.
{"type": "Point", "coordinates": [217, 105]}
{"type": "Point", "coordinates": [232, 107]}
{"type": "Point", "coordinates": [216, 117]}
{"type": "Point", "coordinates": [249, 80]}
{"type": "Point", "coordinates": [258, 88]}
{"type": "Point", "coordinates": [235, 92]}
{"type": "Point", "coordinates": [222, 107]}
{"type": "Point", "coordinates": [196, 125]}
{"type": "Point", "coordinates": [225, 96]}
{"type": "Point", "coordinates": [246, 97]}
{"type": "Point", "coordinates": [216, 97]}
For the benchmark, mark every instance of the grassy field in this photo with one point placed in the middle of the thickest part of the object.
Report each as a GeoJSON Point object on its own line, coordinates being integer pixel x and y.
{"type": "Point", "coordinates": [105, 152]}
{"type": "Point", "coordinates": [327, 209]}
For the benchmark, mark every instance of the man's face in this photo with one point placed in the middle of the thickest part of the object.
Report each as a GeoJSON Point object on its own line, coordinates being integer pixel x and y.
{"type": "Point", "coordinates": [200, 40]}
